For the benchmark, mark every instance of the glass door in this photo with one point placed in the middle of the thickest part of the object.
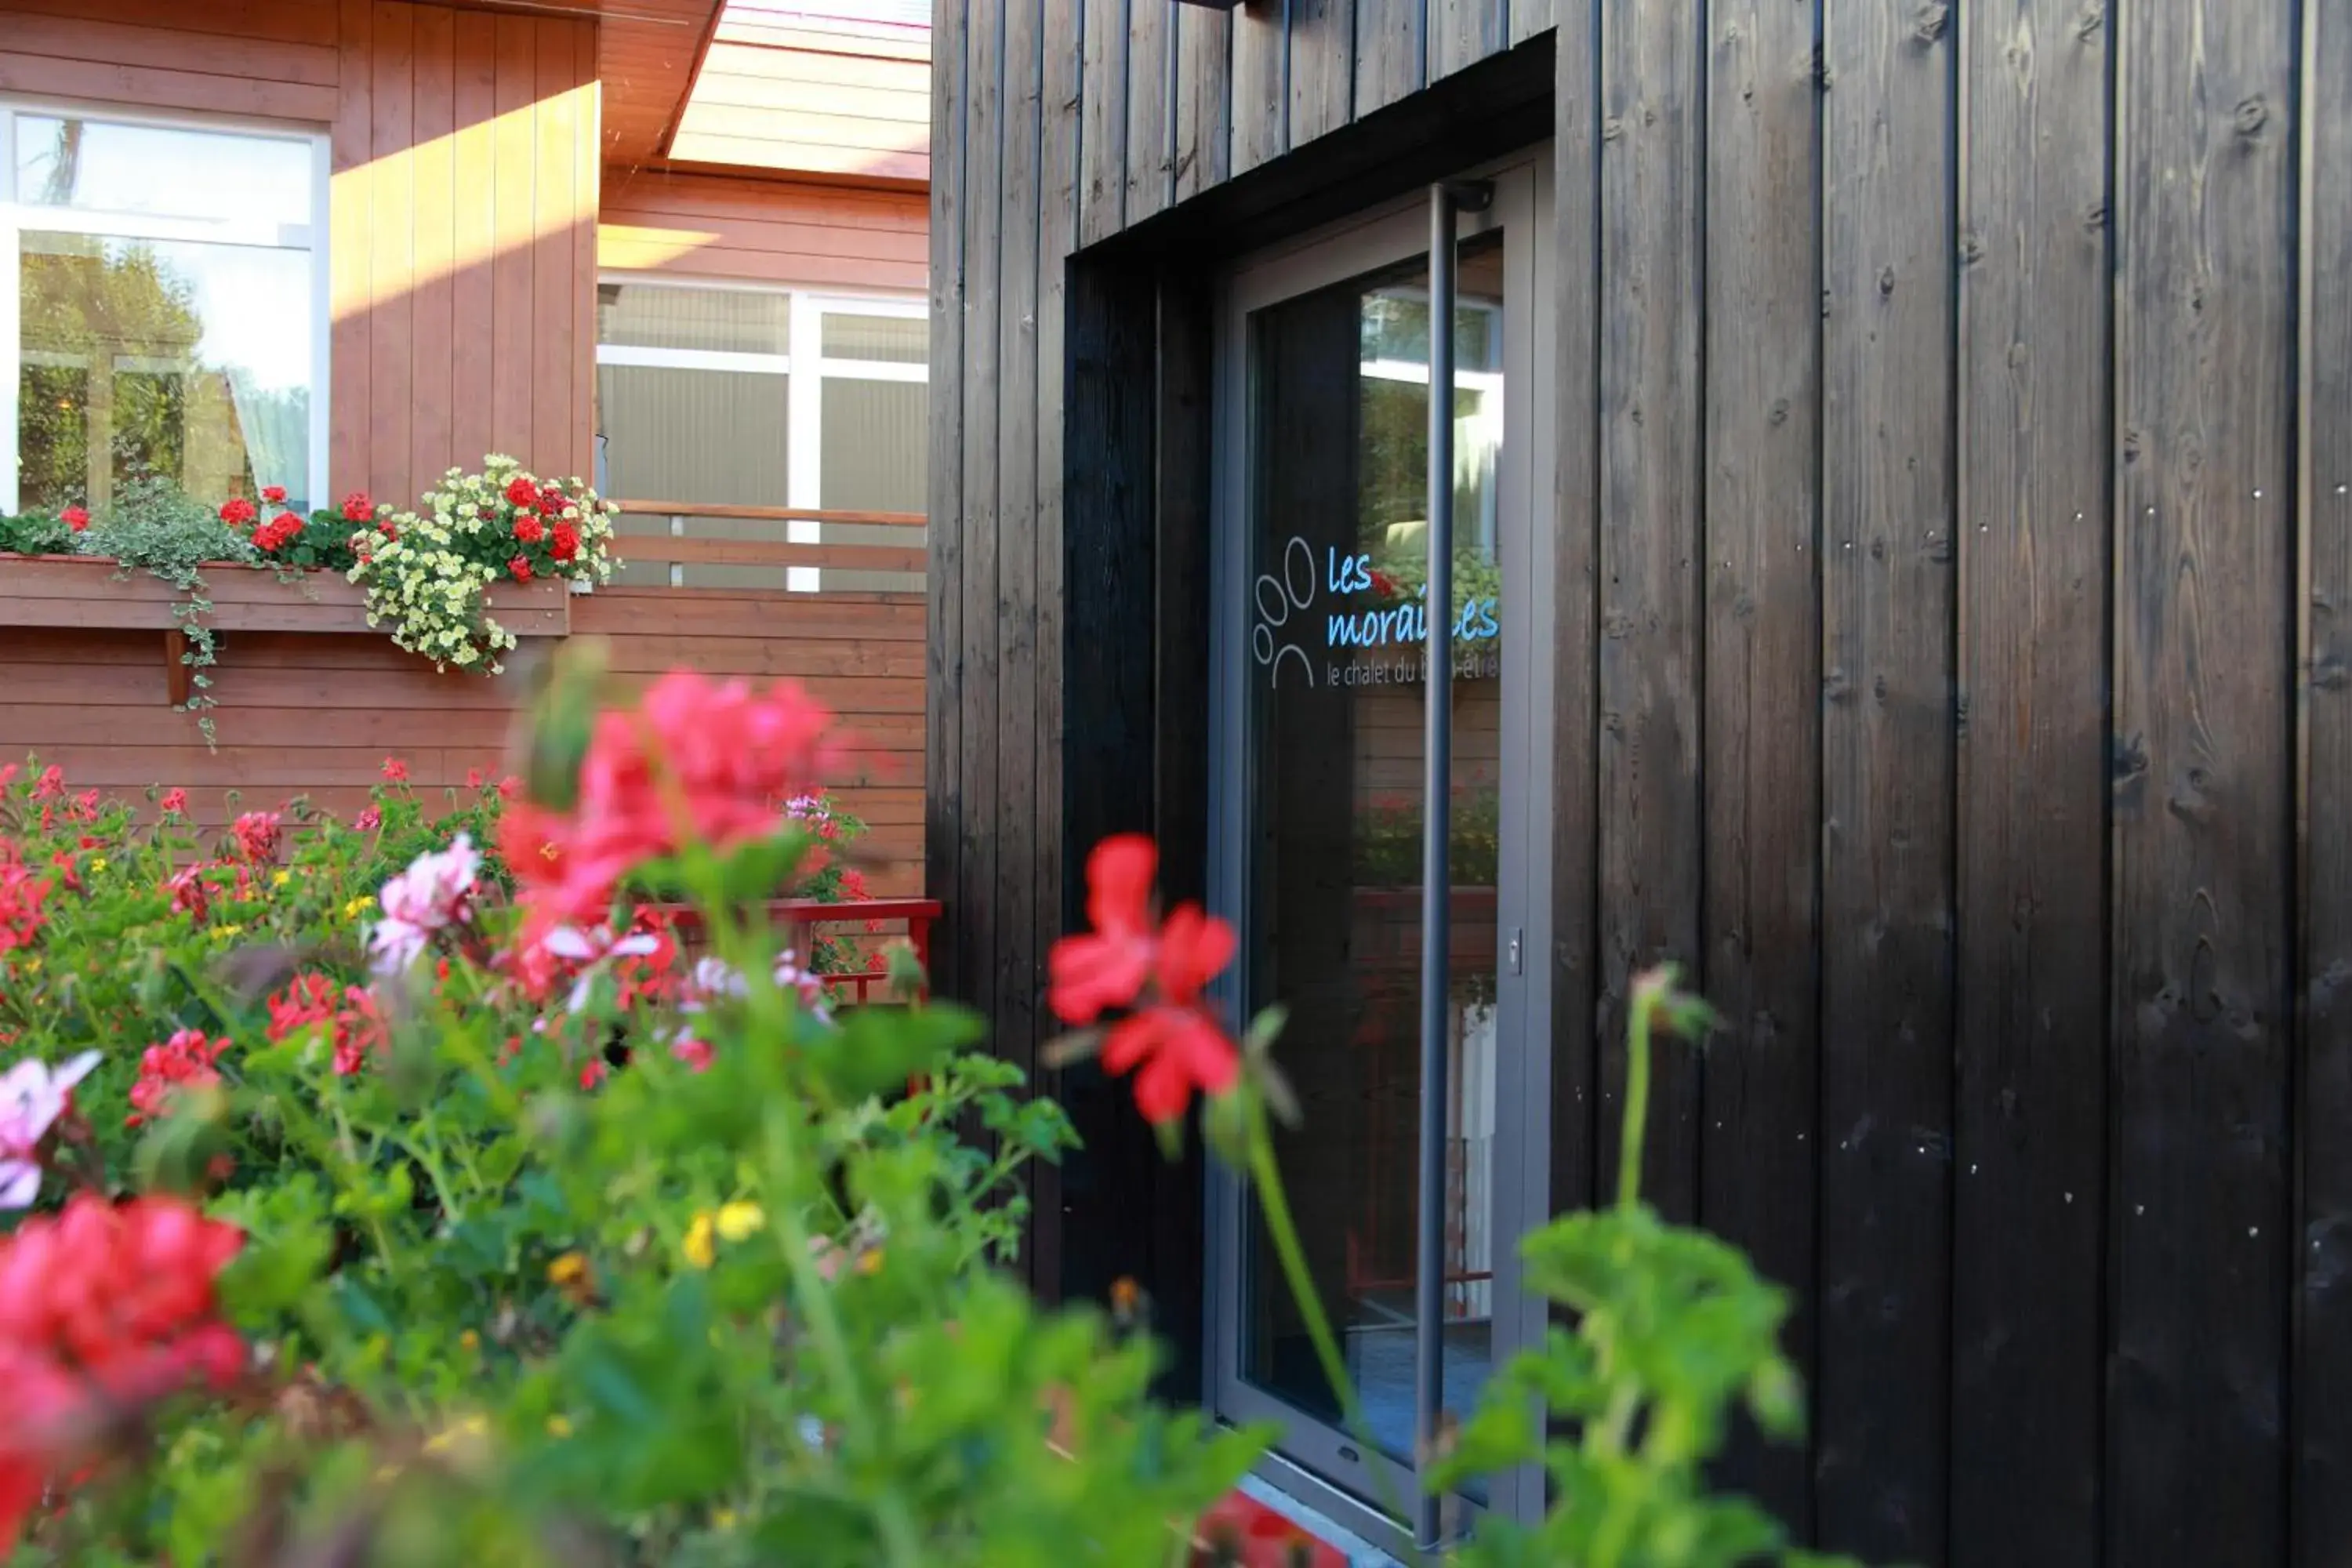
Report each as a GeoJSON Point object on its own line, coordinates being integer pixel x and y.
{"type": "Point", "coordinates": [1322, 548]}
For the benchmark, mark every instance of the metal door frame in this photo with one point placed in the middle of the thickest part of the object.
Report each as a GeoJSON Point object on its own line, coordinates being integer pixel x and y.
{"type": "Point", "coordinates": [1312, 1458]}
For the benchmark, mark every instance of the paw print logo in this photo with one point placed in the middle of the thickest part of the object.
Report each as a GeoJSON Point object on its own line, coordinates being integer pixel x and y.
{"type": "Point", "coordinates": [1278, 597]}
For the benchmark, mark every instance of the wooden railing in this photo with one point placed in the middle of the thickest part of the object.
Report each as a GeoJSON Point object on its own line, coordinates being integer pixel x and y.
{"type": "Point", "coordinates": [802, 921]}
{"type": "Point", "coordinates": [678, 548]}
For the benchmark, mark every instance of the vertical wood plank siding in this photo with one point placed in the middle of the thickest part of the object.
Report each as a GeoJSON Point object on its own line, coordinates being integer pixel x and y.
{"type": "Point", "coordinates": [1761, 666]}
{"type": "Point", "coordinates": [2323, 1233]}
{"type": "Point", "coordinates": [1951, 585]}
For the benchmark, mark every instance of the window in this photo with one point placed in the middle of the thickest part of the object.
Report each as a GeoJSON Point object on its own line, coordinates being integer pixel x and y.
{"type": "Point", "coordinates": [162, 308]}
{"type": "Point", "coordinates": [732, 396]}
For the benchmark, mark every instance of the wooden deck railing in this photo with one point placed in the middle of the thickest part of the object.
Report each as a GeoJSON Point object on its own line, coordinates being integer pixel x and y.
{"type": "Point", "coordinates": [678, 549]}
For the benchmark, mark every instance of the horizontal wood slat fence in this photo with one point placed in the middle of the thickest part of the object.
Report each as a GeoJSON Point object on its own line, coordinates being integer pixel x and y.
{"type": "Point", "coordinates": [300, 711]}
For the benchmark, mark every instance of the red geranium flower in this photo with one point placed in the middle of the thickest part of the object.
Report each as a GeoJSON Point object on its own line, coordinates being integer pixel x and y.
{"type": "Point", "coordinates": [257, 835]}
{"type": "Point", "coordinates": [355, 1027]}
{"type": "Point", "coordinates": [357, 507]}
{"type": "Point", "coordinates": [1108, 968]}
{"type": "Point", "coordinates": [20, 904]}
{"type": "Point", "coordinates": [529, 529]}
{"type": "Point", "coordinates": [727, 752]}
{"type": "Point", "coordinates": [175, 801]}
{"type": "Point", "coordinates": [520, 492]}
{"type": "Point", "coordinates": [52, 785]}
{"type": "Point", "coordinates": [186, 1061]}
{"type": "Point", "coordinates": [395, 770]}
{"type": "Point", "coordinates": [275, 494]}
{"type": "Point", "coordinates": [473, 778]}
{"type": "Point", "coordinates": [520, 568]}
{"type": "Point", "coordinates": [368, 820]}
{"type": "Point", "coordinates": [105, 1305]}
{"type": "Point", "coordinates": [237, 511]}
{"type": "Point", "coordinates": [75, 518]}
{"type": "Point", "coordinates": [563, 541]}
{"type": "Point", "coordinates": [1177, 1045]}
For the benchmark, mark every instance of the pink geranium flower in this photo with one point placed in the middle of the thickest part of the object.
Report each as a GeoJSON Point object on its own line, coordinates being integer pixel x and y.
{"type": "Point", "coordinates": [431, 896]}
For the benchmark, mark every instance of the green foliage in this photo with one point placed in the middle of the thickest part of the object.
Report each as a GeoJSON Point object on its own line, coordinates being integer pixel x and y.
{"type": "Point", "coordinates": [1673, 1332]}
{"type": "Point", "coordinates": [513, 1301]}
{"type": "Point", "coordinates": [35, 533]}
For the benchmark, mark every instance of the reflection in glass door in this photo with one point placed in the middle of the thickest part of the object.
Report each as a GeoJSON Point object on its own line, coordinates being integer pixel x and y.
{"type": "Point", "coordinates": [1322, 814]}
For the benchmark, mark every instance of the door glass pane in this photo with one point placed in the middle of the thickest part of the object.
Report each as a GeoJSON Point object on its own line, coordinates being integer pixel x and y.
{"type": "Point", "coordinates": [1337, 546]}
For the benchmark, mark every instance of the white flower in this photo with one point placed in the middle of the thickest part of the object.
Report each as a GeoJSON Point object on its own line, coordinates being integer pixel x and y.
{"type": "Point", "coordinates": [594, 949]}
{"type": "Point", "coordinates": [32, 1097]}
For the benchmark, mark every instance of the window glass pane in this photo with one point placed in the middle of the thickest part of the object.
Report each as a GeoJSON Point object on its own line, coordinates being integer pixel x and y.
{"type": "Point", "coordinates": [170, 357]}
{"type": "Point", "coordinates": [707, 435]}
{"type": "Point", "coordinates": [894, 339]}
{"type": "Point", "coordinates": [738, 320]}
{"type": "Point", "coordinates": [874, 445]}
{"type": "Point", "coordinates": [154, 171]}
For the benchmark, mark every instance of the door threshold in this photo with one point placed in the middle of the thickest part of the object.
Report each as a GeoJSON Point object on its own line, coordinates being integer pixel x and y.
{"type": "Point", "coordinates": [1338, 1520]}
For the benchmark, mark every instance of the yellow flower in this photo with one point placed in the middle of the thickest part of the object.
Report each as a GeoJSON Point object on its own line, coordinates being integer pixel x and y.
{"type": "Point", "coordinates": [723, 1518]}
{"type": "Point", "coordinates": [231, 929]}
{"type": "Point", "coordinates": [357, 907]}
{"type": "Point", "coordinates": [568, 1271]}
{"type": "Point", "coordinates": [280, 879]}
{"type": "Point", "coordinates": [701, 1248]}
{"type": "Point", "coordinates": [870, 1262]}
{"type": "Point", "coordinates": [98, 862]}
{"type": "Point", "coordinates": [472, 1429]}
{"type": "Point", "coordinates": [557, 1427]}
{"type": "Point", "coordinates": [470, 1341]}
{"type": "Point", "coordinates": [739, 1220]}
{"type": "Point", "coordinates": [32, 966]}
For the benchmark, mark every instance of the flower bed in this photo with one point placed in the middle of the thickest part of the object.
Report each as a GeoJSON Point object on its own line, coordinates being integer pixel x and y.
{"type": "Point", "coordinates": [401, 1191]}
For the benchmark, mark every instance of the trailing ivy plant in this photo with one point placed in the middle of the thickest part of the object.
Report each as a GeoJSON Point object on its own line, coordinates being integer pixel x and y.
{"type": "Point", "coordinates": [153, 526]}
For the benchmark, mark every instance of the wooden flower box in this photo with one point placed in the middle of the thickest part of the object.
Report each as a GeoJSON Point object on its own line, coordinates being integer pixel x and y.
{"type": "Point", "coordinates": [83, 592]}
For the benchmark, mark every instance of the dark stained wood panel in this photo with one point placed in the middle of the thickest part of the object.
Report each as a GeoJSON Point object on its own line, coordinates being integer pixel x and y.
{"type": "Point", "coordinates": [1017, 966]}
{"type": "Point", "coordinates": [2323, 1240]}
{"type": "Point", "coordinates": [1886, 561]}
{"type": "Point", "coordinates": [1651, 589]}
{"type": "Point", "coordinates": [1150, 144]}
{"type": "Point", "coordinates": [1058, 176]}
{"type": "Point", "coordinates": [1463, 32]}
{"type": "Point", "coordinates": [1261, 96]}
{"type": "Point", "coordinates": [1762, 676]}
{"type": "Point", "coordinates": [1392, 51]}
{"type": "Point", "coordinates": [987, 179]}
{"type": "Point", "coordinates": [2203, 1021]}
{"type": "Point", "coordinates": [2029, 1103]}
{"type": "Point", "coordinates": [1204, 87]}
{"type": "Point", "coordinates": [1103, 124]}
{"type": "Point", "coordinates": [1322, 67]}
{"type": "Point", "coordinates": [943, 652]}
{"type": "Point", "coordinates": [1575, 588]}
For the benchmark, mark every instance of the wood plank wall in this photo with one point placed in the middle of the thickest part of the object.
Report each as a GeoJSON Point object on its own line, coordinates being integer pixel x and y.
{"type": "Point", "coordinates": [462, 209]}
{"type": "Point", "coordinates": [768, 231]}
{"type": "Point", "coordinates": [317, 715]}
{"type": "Point", "coordinates": [1954, 440]}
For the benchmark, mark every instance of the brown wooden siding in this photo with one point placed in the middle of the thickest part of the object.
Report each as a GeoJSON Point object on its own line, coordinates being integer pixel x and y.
{"type": "Point", "coordinates": [1952, 434]}
{"type": "Point", "coordinates": [317, 715]}
{"type": "Point", "coordinates": [460, 226]}
{"type": "Point", "coordinates": [764, 231]}
{"type": "Point", "coordinates": [462, 243]}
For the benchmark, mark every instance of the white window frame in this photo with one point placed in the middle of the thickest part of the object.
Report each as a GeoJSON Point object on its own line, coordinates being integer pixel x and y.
{"type": "Point", "coordinates": [17, 217]}
{"type": "Point", "coordinates": [804, 394]}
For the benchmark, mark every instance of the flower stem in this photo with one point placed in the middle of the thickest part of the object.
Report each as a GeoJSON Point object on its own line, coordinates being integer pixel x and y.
{"type": "Point", "coordinates": [1265, 1179]}
{"type": "Point", "coordinates": [1637, 1101]}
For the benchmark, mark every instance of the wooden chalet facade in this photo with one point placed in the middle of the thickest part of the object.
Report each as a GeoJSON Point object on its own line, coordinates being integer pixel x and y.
{"type": "Point", "coordinates": [564, 231]}
{"type": "Point", "coordinates": [1925, 452]}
